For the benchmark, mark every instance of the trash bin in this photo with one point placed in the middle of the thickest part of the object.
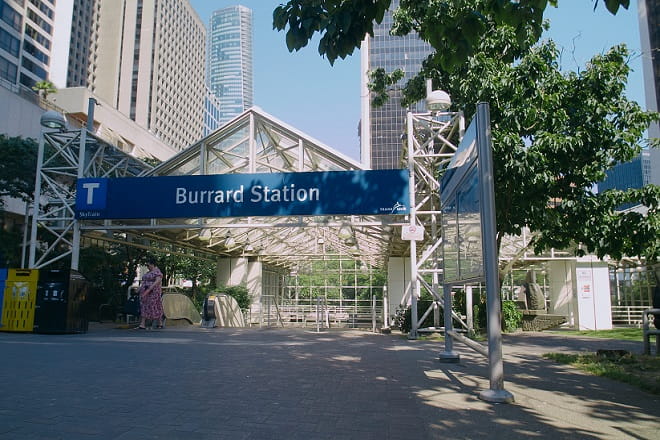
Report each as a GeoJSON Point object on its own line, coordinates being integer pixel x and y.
{"type": "Point", "coordinates": [60, 304]}
{"type": "Point", "coordinates": [3, 280]}
{"type": "Point", "coordinates": [18, 304]}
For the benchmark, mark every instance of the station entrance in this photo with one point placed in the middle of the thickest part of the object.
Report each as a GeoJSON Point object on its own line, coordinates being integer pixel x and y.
{"type": "Point", "coordinates": [289, 263]}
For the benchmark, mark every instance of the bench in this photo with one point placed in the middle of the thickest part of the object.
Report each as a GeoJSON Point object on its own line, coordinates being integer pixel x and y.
{"type": "Point", "coordinates": [648, 331]}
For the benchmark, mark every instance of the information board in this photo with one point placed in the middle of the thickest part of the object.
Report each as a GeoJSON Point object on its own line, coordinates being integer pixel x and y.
{"type": "Point", "coordinates": [461, 213]}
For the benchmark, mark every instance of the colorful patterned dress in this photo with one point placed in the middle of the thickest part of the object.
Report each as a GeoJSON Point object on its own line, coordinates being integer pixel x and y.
{"type": "Point", "coordinates": [151, 306]}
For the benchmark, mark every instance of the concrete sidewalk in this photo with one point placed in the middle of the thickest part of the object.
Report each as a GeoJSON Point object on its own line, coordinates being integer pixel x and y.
{"type": "Point", "coordinates": [192, 383]}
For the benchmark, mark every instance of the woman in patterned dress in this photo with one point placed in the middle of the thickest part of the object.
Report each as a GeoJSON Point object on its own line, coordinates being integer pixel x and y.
{"type": "Point", "coordinates": [151, 306]}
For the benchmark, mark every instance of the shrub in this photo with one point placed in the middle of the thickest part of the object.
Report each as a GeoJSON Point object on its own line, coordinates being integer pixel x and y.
{"type": "Point", "coordinates": [240, 294]}
{"type": "Point", "coordinates": [480, 316]}
{"type": "Point", "coordinates": [511, 316]}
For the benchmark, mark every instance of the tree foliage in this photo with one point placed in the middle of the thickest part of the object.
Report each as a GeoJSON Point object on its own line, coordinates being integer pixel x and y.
{"type": "Point", "coordinates": [240, 294]}
{"type": "Point", "coordinates": [44, 88]}
{"type": "Point", "coordinates": [555, 134]}
{"type": "Point", "coordinates": [554, 137]}
{"type": "Point", "coordinates": [187, 268]}
{"type": "Point", "coordinates": [18, 164]}
{"type": "Point", "coordinates": [453, 27]}
{"type": "Point", "coordinates": [111, 271]}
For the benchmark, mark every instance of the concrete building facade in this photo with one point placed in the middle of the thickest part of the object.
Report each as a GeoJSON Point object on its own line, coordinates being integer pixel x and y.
{"type": "Point", "coordinates": [144, 52]}
{"type": "Point", "coordinates": [145, 58]}
{"type": "Point", "coordinates": [26, 41]}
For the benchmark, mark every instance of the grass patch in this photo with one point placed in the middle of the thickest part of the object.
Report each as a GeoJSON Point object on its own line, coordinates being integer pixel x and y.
{"type": "Point", "coordinates": [624, 333]}
{"type": "Point", "coordinates": [640, 371]}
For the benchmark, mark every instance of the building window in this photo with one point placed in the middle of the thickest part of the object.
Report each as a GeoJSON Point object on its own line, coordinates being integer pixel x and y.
{"type": "Point", "coordinates": [32, 50]}
{"type": "Point", "coordinates": [39, 21]}
{"type": "Point", "coordinates": [43, 8]}
{"type": "Point", "coordinates": [10, 16]}
{"type": "Point", "coordinates": [8, 70]}
{"type": "Point", "coordinates": [9, 43]}
{"type": "Point", "coordinates": [27, 81]}
{"type": "Point", "coordinates": [36, 36]}
{"type": "Point", "coordinates": [34, 68]}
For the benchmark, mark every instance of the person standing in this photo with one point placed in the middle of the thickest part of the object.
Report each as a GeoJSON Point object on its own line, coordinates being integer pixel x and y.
{"type": "Point", "coordinates": [151, 306]}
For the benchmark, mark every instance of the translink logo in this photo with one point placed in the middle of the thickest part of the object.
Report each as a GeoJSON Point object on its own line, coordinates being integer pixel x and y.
{"type": "Point", "coordinates": [91, 194]}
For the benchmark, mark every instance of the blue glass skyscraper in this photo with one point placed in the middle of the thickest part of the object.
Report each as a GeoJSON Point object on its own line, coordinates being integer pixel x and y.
{"type": "Point", "coordinates": [229, 65]}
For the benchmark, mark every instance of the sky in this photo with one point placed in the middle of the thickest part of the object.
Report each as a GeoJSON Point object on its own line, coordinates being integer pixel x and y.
{"type": "Point", "coordinates": [302, 89]}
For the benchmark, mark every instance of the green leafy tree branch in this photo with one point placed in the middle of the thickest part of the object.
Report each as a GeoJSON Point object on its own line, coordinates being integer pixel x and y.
{"type": "Point", "coordinates": [453, 27]}
{"type": "Point", "coordinates": [555, 134]}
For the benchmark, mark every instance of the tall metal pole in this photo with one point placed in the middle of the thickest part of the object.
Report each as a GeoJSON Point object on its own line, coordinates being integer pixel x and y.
{"type": "Point", "coordinates": [91, 103]}
{"type": "Point", "coordinates": [414, 285]}
{"type": "Point", "coordinates": [496, 393]}
{"type": "Point", "coordinates": [75, 251]}
{"type": "Point", "coordinates": [386, 311]}
{"type": "Point", "coordinates": [24, 248]}
{"type": "Point", "coordinates": [468, 310]}
{"type": "Point", "coordinates": [35, 208]}
{"type": "Point", "coordinates": [449, 355]}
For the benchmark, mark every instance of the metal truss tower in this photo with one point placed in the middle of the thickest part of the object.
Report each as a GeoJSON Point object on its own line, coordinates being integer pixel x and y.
{"type": "Point", "coordinates": [432, 140]}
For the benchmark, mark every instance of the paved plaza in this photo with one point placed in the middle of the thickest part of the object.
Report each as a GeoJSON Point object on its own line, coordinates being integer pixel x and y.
{"type": "Point", "coordinates": [197, 384]}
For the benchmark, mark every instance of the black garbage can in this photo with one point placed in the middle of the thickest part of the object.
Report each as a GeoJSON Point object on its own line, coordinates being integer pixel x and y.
{"type": "Point", "coordinates": [60, 305]}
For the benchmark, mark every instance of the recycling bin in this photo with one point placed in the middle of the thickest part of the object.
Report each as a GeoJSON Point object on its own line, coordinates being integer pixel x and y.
{"type": "Point", "coordinates": [19, 300]}
{"type": "Point", "coordinates": [61, 301]}
{"type": "Point", "coordinates": [3, 281]}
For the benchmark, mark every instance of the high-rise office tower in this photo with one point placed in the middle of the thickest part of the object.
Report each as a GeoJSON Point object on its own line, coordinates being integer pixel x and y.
{"type": "Point", "coordinates": [229, 65]}
{"type": "Point", "coordinates": [649, 31]}
{"type": "Point", "coordinates": [26, 41]}
{"type": "Point", "coordinates": [148, 60]}
{"type": "Point", "coordinates": [645, 168]}
{"type": "Point", "coordinates": [381, 128]}
{"type": "Point", "coordinates": [211, 113]}
{"type": "Point", "coordinates": [83, 16]}
{"type": "Point", "coordinates": [143, 57]}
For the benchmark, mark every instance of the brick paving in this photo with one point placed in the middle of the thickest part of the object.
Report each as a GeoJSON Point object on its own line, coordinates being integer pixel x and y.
{"type": "Point", "coordinates": [193, 383]}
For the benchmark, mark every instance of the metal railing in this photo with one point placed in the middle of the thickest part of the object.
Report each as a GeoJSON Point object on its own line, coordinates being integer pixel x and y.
{"type": "Point", "coordinates": [321, 313]}
{"type": "Point", "coordinates": [628, 315]}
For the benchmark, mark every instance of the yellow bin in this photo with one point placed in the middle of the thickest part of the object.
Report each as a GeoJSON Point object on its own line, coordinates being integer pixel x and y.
{"type": "Point", "coordinates": [19, 300]}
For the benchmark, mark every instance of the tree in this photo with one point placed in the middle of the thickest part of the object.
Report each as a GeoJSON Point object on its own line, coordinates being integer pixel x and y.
{"type": "Point", "coordinates": [44, 88]}
{"type": "Point", "coordinates": [111, 270]}
{"type": "Point", "coordinates": [18, 164]}
{"type": "Point", "coordinates": [554, 134]}
{"type": "Point", "coordinates": [453, 27]}
{"type": "Point", "coordinates": [194, 269]}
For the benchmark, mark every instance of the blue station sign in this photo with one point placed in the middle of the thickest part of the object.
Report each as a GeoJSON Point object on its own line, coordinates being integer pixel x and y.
{"type": "Point", "coordinates": [360, 192]}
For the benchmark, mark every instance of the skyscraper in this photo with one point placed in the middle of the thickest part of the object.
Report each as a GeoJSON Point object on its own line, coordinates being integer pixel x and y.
{"type": "Point", "coordinates": [143, 57]}
{"type": "Point", "coordinates": [649, 31]}
{"type": "Point", "coordinates": [26, 41]}
{"type": "Point", "coordinates": [381, 128]}
{"type": "Point", "coordinates": [229, 65]}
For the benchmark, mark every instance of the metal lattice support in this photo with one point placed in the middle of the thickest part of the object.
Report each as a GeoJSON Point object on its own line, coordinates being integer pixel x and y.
{"type": "Point", "coordinates": [253, 142]}
{"type": "Point", "coordinates": [63, 157]}
{"type": "Point", "coordinates": [432, 140]}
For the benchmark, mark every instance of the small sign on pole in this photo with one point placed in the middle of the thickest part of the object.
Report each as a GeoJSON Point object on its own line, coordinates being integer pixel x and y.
{"type": "Point", "coordinates": [412, 232]}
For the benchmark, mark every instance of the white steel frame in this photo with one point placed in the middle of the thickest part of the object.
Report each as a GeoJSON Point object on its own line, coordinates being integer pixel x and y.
{"type": "Point", "coordinates": [253, 142]}
{"type": "Point", "coordinates": [432, 140]}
